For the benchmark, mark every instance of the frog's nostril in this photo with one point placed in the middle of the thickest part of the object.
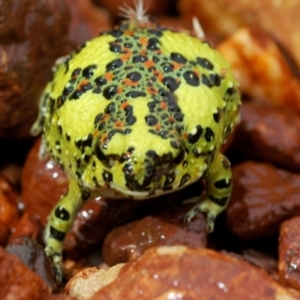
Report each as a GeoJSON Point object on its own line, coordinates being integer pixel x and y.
{"type": "Point", "coordinates": [179, 157]}
{"type": "Point", "coordinates": [150, 171]}
{"type": "Point", "coordinates": [101, 156]}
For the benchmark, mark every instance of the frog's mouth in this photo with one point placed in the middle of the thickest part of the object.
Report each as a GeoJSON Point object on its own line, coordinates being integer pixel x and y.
{"type": "Point", "coordinates": [121, 192]}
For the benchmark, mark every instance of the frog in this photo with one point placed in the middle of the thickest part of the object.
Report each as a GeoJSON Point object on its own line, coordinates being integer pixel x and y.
{"type": "Point", "coordinates": [139, 111]}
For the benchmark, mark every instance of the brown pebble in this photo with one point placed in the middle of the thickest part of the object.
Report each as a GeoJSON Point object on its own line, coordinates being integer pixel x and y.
{"type": "Point", "coordinates": [269, 134]}
{"type": "Point", "coordinates": [262, 260]}
{"type": "Point", "coordinates": [279, 18]}
{"type": "Point", "coordinates": [87, 21]}
{"type": "Point", "coordinates": [43, 182]}
{"type": "Point", "coordinates": [130, 241]}
{"type": "Point", "coordinates": [178, 272]}
{"type": "Point", "coordinates": [18, 282]}
{"type": "Point", "coordinates": [270, 76]}
{"type": "Point", "coordinates": [263, 196]}
{"type": "Point", "coordinates": [90, 280]}
{"type": "Point", "coordinates": [33, 256]}
{"type": "Point", "coordinates": [33, 36]}
{"type": "Point", "coordinates": [9, 214]}
{"type": "Point", "coordinates": [29, 226]}
{"type": "Point", "coordinates": [289, 253]}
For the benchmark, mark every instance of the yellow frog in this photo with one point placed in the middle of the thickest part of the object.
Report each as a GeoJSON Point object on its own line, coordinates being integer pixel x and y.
{"type": "Point", "coordinates": [137, 112]}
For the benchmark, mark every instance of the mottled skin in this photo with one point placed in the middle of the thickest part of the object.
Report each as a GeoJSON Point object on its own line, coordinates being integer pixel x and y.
{"type": "Point", "coordinates": [137, 112]}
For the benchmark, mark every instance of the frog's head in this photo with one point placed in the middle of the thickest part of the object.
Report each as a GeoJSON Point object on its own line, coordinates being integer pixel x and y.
{"type": "Point", "coordinates": [145, 154]}
{"type": "Point", "coordinates": [142, 169]}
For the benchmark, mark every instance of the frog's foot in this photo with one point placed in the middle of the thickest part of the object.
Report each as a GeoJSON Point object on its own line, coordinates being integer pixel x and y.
{"type": "Point", "coordinates": [56, 263]}
{"type": "Point", "coordinates": [206, 206]}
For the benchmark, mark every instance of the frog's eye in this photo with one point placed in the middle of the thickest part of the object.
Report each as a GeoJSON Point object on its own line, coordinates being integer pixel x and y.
{"type": "Point", "coordinates": [102, 157]}
{"type": "Point", "coordinates": [179, 158]}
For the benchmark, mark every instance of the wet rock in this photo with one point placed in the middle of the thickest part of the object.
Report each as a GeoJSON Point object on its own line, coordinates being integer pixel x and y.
{"type": "Point", "coordinates": [9, 214]}
{"type": "Point", "coordinates": [289, 253]}
{"type": "Point", "coordinates": [29, 226]}
{"type": "Point", "coordinates": [33, 256]}
{"type": "Point", "coordinates": [262, 261]}
{"type": "Point", "coordinates": [179, 272]}
{"type": "Point", "coordinates": [18, 282]}
{"type": "Point", "coordinates": [270, 76]}
{"type": "Point", "coordinates": [130, 241]}
{"type": "Point", "coordinates": [273, 17]}
{"type": "Point", "coordinates": [43, 182]}
{"type": "Point", "coordinates": [87, 282]}
{"type": "Point", "coordinates": [12, 173]}
{"type": "Point", "coordinates": [33, 34]}
{"type": "Point", "coordinates": [87, 21]}
{"type": "Point", "coordinates": [269, 134]}
{"type": "Point", "coordinates": [263, 197]}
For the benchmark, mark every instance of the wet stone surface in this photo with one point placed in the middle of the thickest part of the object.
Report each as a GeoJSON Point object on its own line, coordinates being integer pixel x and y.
{"type": "Point", "coordinates": [33, 256]}
{"type": "Point", "coordinates": [262, 198]}
{"type": "Point", "coordinates": [289, 253]}
{"type": "Point", "coordinates": [18, 282]}
{"type": "Point", "coordinates": [269, 134]}
{"type": "Point", "coordinates": [165, 273]}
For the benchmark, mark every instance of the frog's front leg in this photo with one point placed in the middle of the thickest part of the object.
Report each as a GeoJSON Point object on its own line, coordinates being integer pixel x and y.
{"type": "Point", "coordinates": [219, 184]}
{"type": "Point", "coordinates": [59, 223]}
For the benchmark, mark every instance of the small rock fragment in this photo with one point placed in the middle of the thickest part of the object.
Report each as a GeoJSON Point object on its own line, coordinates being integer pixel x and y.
{"type": "Point", "coordinates": [130, 241]}
{"type": "Point", "coordinates": [9, 214]}
{"type": "Point", "coordinates": [269, 134]}
{"type": "Point", "coordinates": [262, 261]}
{"type": "Point", "coordinates": [263, 197]}
{"type": "Point", "coordinates": [18, 282]}
{"type": "Point", "coordinates": [289, 253]}
{"type": "Point", "coordinates": [28, 226]}
{"type": "Point", "coordinates": [87, 282]}
{"type": "Point", "coordinates": [32, 36]}
{"type": "Point", "coordinates": [87, 21]}
{"type": "Point", "coordinates": [279, 18]}
{"type": "Point", "coordinates": [270, 76]}
{"type": "Point", "coordinates": [33, 256]}
{"type": "Point", "coordinates": [43, 182]}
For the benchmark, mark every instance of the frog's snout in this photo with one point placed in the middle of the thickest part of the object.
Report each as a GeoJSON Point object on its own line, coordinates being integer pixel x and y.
{"type": "Point", "coordinates": [163, 165]}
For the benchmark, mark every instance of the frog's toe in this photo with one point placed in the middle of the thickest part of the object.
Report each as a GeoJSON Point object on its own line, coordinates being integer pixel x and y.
{"type": "Point", "coordinates": [56, 264]}
{"type": "Point", "coordinates": [204, 207]}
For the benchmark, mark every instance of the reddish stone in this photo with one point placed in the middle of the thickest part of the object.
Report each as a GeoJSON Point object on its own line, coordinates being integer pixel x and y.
{"type": "Point", "coordinates": [178, 272]}
{"type": "Point", "coordinates": [18, 282]}
{"type": "Point", "coordinates": [87, 21]}
{"type": "Point", "coordinates": [8, 210]}
{"type": "Point", "coordinates": [43, 182]}
{"type": "Point", "coordinates": [289, 253]}
{"type": "Point", "coordinates": [263, 197]}
{"type": "Point", "coordinates": [262, 260]}
{"type": "Point", "coordinates": [269, 134]}
{"type": "Point", "coordinates": [33, 35]}
{"type": "Point", "coordinates": [28, 226]}
{"type": "Point", "coordinates": [130, 241]}
{"type": "Point", "coordinates": [33, 256]}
